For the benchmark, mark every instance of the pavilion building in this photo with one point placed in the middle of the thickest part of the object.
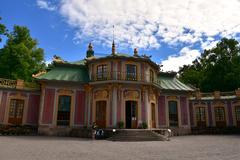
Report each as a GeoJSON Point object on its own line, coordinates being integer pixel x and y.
{"type": "Point", "coordinates": [112, 90]}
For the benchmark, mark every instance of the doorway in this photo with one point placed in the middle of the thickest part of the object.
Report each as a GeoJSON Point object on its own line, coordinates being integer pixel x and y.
{"type": "Point", "coordinates": [16, 111]}
{"type": "Point", "coordinates": [101, 114]}
{"type": "Point", "coordinates": [131, 114]}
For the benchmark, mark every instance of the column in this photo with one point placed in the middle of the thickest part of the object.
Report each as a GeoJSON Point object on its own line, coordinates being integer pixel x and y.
{"type": "Point", "coordinates": [114, 106]}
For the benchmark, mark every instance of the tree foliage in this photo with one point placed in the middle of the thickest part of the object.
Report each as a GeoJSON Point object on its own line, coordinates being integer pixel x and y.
{"type": "Point", "coordinates": [20, 57]}
{"type": "Point", "coordinates": [3, 30]}
{"type": "Point", "coordinates": [217, 68]}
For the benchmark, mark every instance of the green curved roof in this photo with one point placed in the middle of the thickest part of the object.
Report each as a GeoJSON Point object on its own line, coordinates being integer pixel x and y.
{"type": "Point", "coordinates": [170, 82]}
{"type": "Point", "coordinates": [66, 73]}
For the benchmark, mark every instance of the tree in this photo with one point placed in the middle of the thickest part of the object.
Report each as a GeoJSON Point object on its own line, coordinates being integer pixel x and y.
{"type": "Point", "coordinates": [3, 30]}
{"type": "Point", "coordinates": [217, 68]}
{"type": "Point", "coordinates": [20, 57]}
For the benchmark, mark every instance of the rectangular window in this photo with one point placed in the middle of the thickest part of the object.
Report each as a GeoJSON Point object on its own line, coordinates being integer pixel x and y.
{"type": "Point", "coordinates": [200, 114]}
{"type": "Point", "coordinates": [102, 72]}
{"type": "Point", "coordinates": [219, 114]}
{"type": "Point", "coordinates": [173, 113]}
{"type": "Point", "coordinates": [131, 72]}
{"type": "Point", "coordinates": [16, 111]}
{"type": "Point", "coordinates": [237, 113]}
{"type": "Point", "coordinates": [151, 76]}
{"type": "Point", "coordinates": [64, 105]}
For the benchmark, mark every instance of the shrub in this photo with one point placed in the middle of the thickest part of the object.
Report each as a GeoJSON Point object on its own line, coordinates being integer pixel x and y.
{"type": "Point", "coordinates": [120, 124]}
{"type": "Point", "coordinates": [143, 125]}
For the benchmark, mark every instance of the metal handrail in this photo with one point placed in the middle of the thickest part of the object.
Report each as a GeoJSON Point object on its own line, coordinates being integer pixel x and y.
{"type": "Point", "coordinates": [123, 76]}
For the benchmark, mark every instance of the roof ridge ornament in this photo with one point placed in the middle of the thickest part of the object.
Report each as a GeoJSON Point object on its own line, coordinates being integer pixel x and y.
{"type": "Point", "coordinates": [90, 51]}
{"type": "Point", "coordinates": [135, 52]}
{"type": "Point", "coordinates": [113, 44]}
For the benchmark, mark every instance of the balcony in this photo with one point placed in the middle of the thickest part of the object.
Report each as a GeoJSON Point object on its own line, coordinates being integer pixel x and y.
{"type": "Point", "coordinates": [124, 77]}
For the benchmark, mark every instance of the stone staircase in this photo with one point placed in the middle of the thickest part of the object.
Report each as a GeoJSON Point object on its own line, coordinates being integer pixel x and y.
{"type": "Point", "coordinates": [137, 135]}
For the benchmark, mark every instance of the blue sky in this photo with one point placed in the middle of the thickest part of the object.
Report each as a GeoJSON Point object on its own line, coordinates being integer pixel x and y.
{"type": "Point", "coordinates": [173, 32]}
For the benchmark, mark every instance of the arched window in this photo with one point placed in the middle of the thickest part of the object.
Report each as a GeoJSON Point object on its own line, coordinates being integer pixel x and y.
{"type": "Point", "coordinates": [173, 113]}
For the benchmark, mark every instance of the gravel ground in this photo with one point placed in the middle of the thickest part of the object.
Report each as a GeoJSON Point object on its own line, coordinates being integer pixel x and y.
{"type": "Point", "coordinates": [179, 148]}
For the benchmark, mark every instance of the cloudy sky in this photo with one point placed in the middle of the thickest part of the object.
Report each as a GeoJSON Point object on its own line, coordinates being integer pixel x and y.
{"type": "Point", "coordinates": [174, 32]}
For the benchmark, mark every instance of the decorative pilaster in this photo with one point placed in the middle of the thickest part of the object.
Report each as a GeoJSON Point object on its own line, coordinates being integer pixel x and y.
{"type": "Point", "coordinates": [114, 106]}
{"type": "Point", "coordinates": [88, 90]}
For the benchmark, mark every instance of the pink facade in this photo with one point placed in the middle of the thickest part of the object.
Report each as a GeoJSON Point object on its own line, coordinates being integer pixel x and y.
{"type": "Point", "coordinates": [184, 110]}
{"type": "Point", "coordinates": [229, 110]}
{"type": "Point", "coordinates": [3, 106]}
{"type": "Point", "coordinates": [33, 109]}
{"type": "Point", "coordinates": [143, 108]}
{"type": "Point", "coordinates": [161, 110]}
{"type": "Point", "coordinates": [47, 115]}
{"type": "Point", "coordinates": [119, 105]}
{"type": "Point", "coordinates": [79, 108]}
{"type": "Point", "coordinates": [191, 113]}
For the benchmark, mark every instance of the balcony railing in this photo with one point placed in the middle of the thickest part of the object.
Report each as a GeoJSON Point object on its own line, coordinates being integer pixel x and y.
{"type": "Point", "coordinates": [124, 76]}
{"type": "Point", "coordinates": [8, 83]}
{"type": "Point", "coordinates": [18, 84]}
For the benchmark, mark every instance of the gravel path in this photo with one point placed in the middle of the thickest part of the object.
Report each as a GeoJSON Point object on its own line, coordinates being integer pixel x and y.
{"type": "Point", "coordinates": [179, 148]}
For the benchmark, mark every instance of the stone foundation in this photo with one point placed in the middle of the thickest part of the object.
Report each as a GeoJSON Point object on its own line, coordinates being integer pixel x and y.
{"type": "Point", "coordinates": [54, 131]}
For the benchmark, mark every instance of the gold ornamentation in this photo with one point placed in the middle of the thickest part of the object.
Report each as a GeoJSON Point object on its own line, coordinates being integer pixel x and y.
{"type": "Point", "coordinates": [101, 94]}
{"type": "Point", "coordinates": [172, 97]}
{"type": "Point", "coordinates": [131, 94]}
{"type": "Point", "coordinates": [218, 103]}
{"type": "Point", "coordinates": [38, 74]}
{"type": "Point", "coordinates": [152, 97]}
{"type": "Point", "coordinates": [65, 91]}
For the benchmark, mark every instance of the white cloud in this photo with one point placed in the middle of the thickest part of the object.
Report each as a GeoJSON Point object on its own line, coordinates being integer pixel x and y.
{"type": "Point", "coordinates": [148, 23]}
{"type": "Point", "coordinates": [186, 56]}
{"type": "Point", "coordinates": [46, 5]}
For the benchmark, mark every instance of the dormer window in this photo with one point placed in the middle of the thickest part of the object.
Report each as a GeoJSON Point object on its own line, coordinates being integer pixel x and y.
{"type": "Point", "coordinates": [102, 72]}
{"type": "Point", "coordinates": [131, 73]}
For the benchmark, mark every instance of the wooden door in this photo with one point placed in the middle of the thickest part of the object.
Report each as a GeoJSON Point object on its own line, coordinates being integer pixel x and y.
{"type": "Point", "coordinates": [16, 111]}
{"type": "Point", "coordinates": [101, 114]}
{"type": "Point", "coordinates": [131, 114]}
{"type": "Point", "coordinates": [134, 114]}
{"type": "Point", "coordinates": [201, 116]}
{"type": "Point", "coordinates": [153, 115]}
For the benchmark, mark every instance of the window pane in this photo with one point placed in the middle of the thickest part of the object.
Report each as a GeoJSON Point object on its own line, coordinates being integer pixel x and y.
{"type": "Point", "coordinates": [151, 76]}
{"type": "Point", "coordinates": [237, 109]}
{"type": "Point", "coordinates": [102, 72]}
{"type": "Point", "coordinates": [200, 114]}
{"type": "Point", "coordinates": [131, 72]}
{"type": "Point", "coordinates": [219, 114]}
{"type": "Point", "coordinates": [173, 113]}
{"type": "Point", "coordinates": [64, 105]}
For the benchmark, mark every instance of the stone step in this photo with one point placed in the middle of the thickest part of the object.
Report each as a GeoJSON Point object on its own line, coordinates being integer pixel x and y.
{"type": "Point", "coordinates": [136, 135]}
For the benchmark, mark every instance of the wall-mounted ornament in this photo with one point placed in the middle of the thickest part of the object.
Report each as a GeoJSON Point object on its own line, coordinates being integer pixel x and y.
{"type": "Point", "coordinates": [131, 94]}
{"type": "Point", "coordinates": [101, 94]}
{"type": "Point", "coordinates": [65, 91]}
